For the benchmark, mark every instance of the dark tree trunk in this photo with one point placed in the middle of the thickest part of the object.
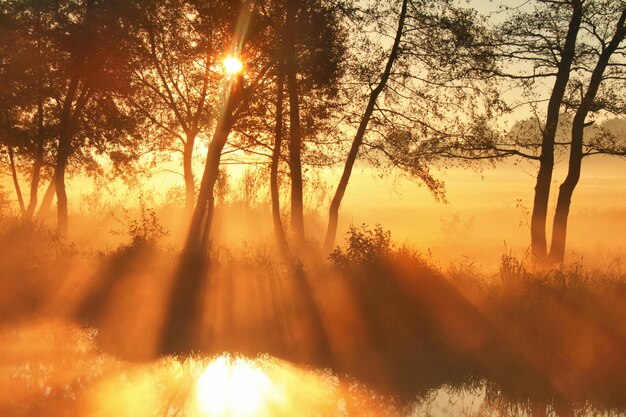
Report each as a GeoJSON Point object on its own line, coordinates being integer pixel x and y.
{"type": "Point", "coordinates": [38, 162]}
{"type": "Point", "coordinates": [559, 230]}
{"type": "Point", "coordinates": [333, 212]}
{"type": "Point", "coordinates": [63, 153]}
{"type": "Point", "coordinates": [546, 158]}
{"type": "Point", "coordinates": [190, 188]}
{"type": "Point", "coordinates": [64, 149]}
{"type": "Point", "coordinates": [295, 141]}
{"type": "Point", "coordinates": [279, 231]}
{"type": "Point", "coordinates": [46, 202]}
{"type": "Point", "coordinates": [16, 182]}
{"type": "Point", "coordinates": [181, 323]}
{"type": "Point", "coordinates": [200, 226]}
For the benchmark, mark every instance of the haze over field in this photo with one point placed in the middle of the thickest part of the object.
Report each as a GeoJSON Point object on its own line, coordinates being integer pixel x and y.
{"type": "Point", "coordinates": [229, 208]}
{"type": "Point", "coordinates": [486, 213]}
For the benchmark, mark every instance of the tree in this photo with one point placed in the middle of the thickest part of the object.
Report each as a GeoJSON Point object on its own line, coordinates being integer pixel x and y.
{"type": "Point", "coordinates": [245, 96]}
{"type": "Point", "coordinates": [570, 44]}
{"type": "Point", "coordinates": [309, 34]}
{"type": "Point", "coordinates": [320, 38]}
{"type": "Point", "coordinates": [178, 333]}
{"type": "Point", "coordinates": [605, 51]}
{"type": "Point", "coordinates": [333, 214]}
{"type": "Point", "coordinates": [295, 140]}
{"type": "Point", "coordinates": [417, 103]}
{"type": "Point", "coordinates": [90, 74]}
{"type": "Point", "coordinates": [26, 125]}
{"type": "Point", "coordinates": [175, 55]}
{"type": "Point", "coordinates": [279, 230]}
{"type": "Point", "coordinates": [545, 38]}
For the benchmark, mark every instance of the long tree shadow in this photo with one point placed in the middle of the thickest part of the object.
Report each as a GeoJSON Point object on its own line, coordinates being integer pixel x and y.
{"type": "Point", "coordinates": [395, 323]}
{"type": "Point", "coordinates": [219, 306]}
{"type": "Point", "coordinates": [124, 301]}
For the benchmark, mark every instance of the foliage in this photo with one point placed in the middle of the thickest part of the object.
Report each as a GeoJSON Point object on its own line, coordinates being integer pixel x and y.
{"type": "Point", "coordinates": [363, 246]}
{"type": "Point", "coordinates": [144, 230]}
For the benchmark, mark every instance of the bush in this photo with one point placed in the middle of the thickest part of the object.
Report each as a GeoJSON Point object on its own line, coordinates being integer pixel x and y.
{"type": "Point", "coordinates": [146, 230]}
{"type": "Point", "coordinates": [363, 246]}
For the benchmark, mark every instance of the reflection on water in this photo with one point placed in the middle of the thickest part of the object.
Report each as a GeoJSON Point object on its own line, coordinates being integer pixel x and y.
{"type": "Point", "coordinates": [236, 386]}
{"type": "Point", "coordinates": [53, 369]}
{"type": "Point", "coordinates": [450, 401]}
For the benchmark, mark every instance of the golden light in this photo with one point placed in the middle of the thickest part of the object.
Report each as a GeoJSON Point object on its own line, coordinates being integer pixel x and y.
{"type": "Point", "coordinates": [232, 65]}
{"type": "Point", "coordinates": [234, 387]}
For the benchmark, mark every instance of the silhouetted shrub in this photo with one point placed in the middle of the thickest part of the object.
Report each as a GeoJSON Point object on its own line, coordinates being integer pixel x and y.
{"type": "Point", "coordinates": [146, 230]}
{"type": "Point", "coordinates": [363, 246]}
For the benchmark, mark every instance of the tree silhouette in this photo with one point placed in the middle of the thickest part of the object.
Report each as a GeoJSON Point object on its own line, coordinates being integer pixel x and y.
{"type": "Point", "coordinates": [417, 102]}
{"type": "Point", "coordinates": [545, 37]}
{"type": "Point", "coordinates": [88, 82]}
{"type": "Point", "coordinates": [571, 43]}
{"type": "Point", "coordinates": [26, 125]}
{"type": "Point", "coordinates": [333, 215]}
{"type": "Point", "coordinates": [605, 51]}
{"type": "Point", "coordinates": [175, 55]}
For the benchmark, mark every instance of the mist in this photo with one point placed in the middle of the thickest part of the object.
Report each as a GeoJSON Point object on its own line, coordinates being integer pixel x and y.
{"type": "Point", "coordinates": [218, 208]}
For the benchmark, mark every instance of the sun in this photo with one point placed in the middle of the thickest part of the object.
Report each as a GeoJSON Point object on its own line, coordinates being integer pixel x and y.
{"type": "Point", "coordinates": [233, 387]}
{"type": "Point", "coordinates": [232, 65]}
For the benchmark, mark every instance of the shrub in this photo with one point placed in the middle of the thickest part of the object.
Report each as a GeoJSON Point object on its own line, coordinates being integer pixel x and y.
{"type": "Point", "coordinates": [363, 246]}
{"type": "Point", "coordinates": [144, 230]}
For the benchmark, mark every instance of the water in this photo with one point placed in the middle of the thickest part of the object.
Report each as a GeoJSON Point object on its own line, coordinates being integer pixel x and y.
{"type": "Point", "coordinates": [56, 369]}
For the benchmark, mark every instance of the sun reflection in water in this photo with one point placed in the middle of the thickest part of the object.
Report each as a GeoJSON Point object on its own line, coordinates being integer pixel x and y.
{"type": "Point", "coordinates": [235, 387]}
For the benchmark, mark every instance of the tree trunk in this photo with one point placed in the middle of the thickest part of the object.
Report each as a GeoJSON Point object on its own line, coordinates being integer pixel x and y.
{"type": "Point", "coordinates": [65, 125]}
{"type": "Point", "coordinates": [179, 332]}
{"type": "Point", "coordinates": [295, 141]}
{"type": "Point", "coordinates": [203, 213]}
{"type": "Point", "coordinates": [37, 165]}
{"type": "Point", "coordinates": [540, 204]}
{"type": "Point", "coordinates": [63, 153]}
{"type": "Point", "coordinates": [559, 230]}
{"type": "Point", "coordinates": [44, 208]}
{"type": "Point", "coordinates": [38, 162]}
{"type": "Point", "coordinates": [546, 158]}
{"type": "Point", "coordinates": [180, 327]}
{"type": "Point", "coordinates": [16, 182]}
{"type": "Point", "coordinates": [279, 231]}
{"type": "Point", "coordinates": [62, 210]}
{"type": "Point", "coordinates": [333, 212]}
{"type": "Point", "coordinates": [190, 188]}
{"type": "Point", "coordinates": [566, 190]}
